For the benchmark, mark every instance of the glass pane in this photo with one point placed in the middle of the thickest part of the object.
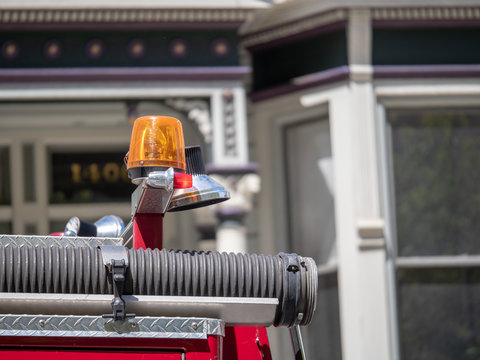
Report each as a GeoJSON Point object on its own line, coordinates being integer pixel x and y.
{"type": "Point", "coordinates": [31, 229]}
{"type": "Point", "coordinates": [4, 176]}
{"type": "Point", "coordinates": [311, 211]}
{"type": "Point", "coordinates": [89, 177]}
{"type": "Point", "coordinates": [29, 173]}
{"type": "Point", "coordinates": [436, 163]}
{"type": "Point", "coordinates": [322, 337]}
{"type": "Point", "coordinates": [310, 190]}
{"type": "Point", "coordinates": [5, 227]}
{"type": "Point", "coordinates": [439, 313]}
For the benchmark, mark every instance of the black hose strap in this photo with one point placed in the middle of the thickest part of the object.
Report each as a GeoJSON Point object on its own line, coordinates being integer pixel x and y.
{"type": "Point", "coordinates": [291, 313]}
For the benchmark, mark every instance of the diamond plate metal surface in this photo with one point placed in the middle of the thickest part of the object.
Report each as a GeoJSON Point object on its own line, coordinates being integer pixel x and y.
{"type": "Point", "coordinates": [58, 241]}
{"type": "Point", "coordinates": [147, 200]}
{"type": "Point", "coordinates": [96, 326]}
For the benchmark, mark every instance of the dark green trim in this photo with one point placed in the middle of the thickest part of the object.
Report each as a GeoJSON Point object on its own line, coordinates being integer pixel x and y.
{"type": "Point", "coordinates": [115, 54]}
{"type": "Point", "coordinates": [278, 65]}
{"type": "Point", "coordinates": [426, 46]}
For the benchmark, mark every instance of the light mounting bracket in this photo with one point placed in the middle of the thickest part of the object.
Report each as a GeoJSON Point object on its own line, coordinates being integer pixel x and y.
{"type": "Point", "coordinates": [153, 194]}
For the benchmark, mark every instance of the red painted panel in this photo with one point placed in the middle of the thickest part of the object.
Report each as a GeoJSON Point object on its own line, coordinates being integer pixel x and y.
{"type": "Point", "coordinates": [246, 343]}
{"type": "Point", "coordinates": [24, 348]}
{"type": "Point", "coordinates": [86, 355]}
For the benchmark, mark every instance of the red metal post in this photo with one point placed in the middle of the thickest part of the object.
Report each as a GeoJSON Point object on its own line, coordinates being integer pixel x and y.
{"type": "Point", "coordinates": [148, 231]}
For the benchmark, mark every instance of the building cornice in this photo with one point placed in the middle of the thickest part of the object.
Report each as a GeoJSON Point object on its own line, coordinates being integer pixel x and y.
{"type": "Point", "coordinates": [130, 4]}
{"type": "Point", "coordinates": [11, 18]}
{"type": "Point", "coordinates": [294, 28]}
{"type": "Point", "coordinates": [381, 16]}
{"type": "Point", "coordinates": [426, 13]}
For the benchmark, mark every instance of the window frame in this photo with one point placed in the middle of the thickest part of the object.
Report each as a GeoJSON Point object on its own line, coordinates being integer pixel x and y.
{"type": "Point", "coordinates": [280, 170]}
{"type": "Point", "coordinates": [280, 123]}
{"type": "Point", "coordinates": [6, 211]}
{"type": "Point", "coordinates": [388, 186]}
{"type": "Point", "coordinates": [413, 94]}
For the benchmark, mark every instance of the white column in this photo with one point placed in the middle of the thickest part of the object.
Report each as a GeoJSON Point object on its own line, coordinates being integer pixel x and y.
{"type": "Point", "coordinates": [218, 143]}
{"type": "Point", "coordinates": [232, 236]}
{"type": "Point", "coordinates": [41, 186]}
{"type": "Point", "coordinates": [368, 243]}
{"type": "Point", "coordinates": [16, 185]}
{"type": "Point", "coordinates": [362, 277]}
{"type": "Point", "coordinates": [229, 118]}
{"type": "Point", "coordinates": [362, 272]}
{"type": "Point", "coordinates": [350, 289]}
{"type": "Point", "coordinates": [231, 233]}
{"type": "Point", "coordinates": [359, 37]}
{"type": "Point", "coordinates": [241, 124]}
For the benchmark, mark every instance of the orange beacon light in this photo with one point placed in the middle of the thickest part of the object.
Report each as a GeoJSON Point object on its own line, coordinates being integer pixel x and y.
{"type": "Point", "coordinates": [156, 145]}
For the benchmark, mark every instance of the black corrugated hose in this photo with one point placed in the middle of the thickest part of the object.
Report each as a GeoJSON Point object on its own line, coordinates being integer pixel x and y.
{"type": "Point", "coordinates": [288, 277]}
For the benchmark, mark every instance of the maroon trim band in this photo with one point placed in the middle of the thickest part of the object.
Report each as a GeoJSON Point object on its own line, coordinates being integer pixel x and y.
{"type": "Point", "coordinates": [124, 74]}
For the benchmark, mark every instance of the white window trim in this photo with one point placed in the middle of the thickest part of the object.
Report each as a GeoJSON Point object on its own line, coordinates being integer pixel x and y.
{"type": "Point", "coordinates": [327, 269]}
{"type": "Point", "coordinates": [269, 119]}
{"type": "Point", "coordinates": [418, 93]}
{"type": "Point", "coordinates": [425, 262]}
{"type": "Point", "coordinates": [279, 123]}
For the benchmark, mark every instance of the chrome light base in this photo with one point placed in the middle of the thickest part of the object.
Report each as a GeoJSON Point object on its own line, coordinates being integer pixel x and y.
{"type": "Point", "coordinates": [205, 191]}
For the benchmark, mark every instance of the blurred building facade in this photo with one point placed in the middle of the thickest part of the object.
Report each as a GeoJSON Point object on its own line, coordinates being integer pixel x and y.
{"type": "Point", "coordinates": [76, 75]}
{"type": "Point", "coordinates": [366, 124]}
{"type": "Point", "coordinates": [363, 118]}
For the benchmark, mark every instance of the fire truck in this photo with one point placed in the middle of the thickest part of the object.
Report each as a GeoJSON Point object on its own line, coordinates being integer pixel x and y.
{"type": "Point", "coordinates": [112, 292]}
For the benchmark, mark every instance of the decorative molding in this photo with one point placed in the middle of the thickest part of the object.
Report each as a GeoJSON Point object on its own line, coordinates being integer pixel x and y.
{"type": "Point", "coordinates": [295, 28]}
{"type": "Point", "coordinates": [371, 233]}
{"type": "Point", "coordinates": [427, 13]}
{"type": "Point", "coordinates": [136, 48]}
{"type": "Point", "coordinates": [371, 244]}
{"type": "Point", "coordinates": [220, 47]}
{"type": "Point", "coordinates": [52, 49]}
{"type": "Point", "coordinates": [10, 49]}
{"type": "Point", "coordinates": [370, 228]}
{"type": "Point", "coordinates": [229, 123]}
{"type": "Point", "coordinates": [198, 111]}
{"type": "Point", "coordinates": [124, 15]}
{"type": "Point", "coordinates": [178, 48]}
{"type": "Point", "coordinates": [119, 18]}
{"type": "Point", "coordinates": [95, 49]}
{"type": "Point", "coordinates": [380, 15]}
{"type": "Point", "coordinates": [361, 73]}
